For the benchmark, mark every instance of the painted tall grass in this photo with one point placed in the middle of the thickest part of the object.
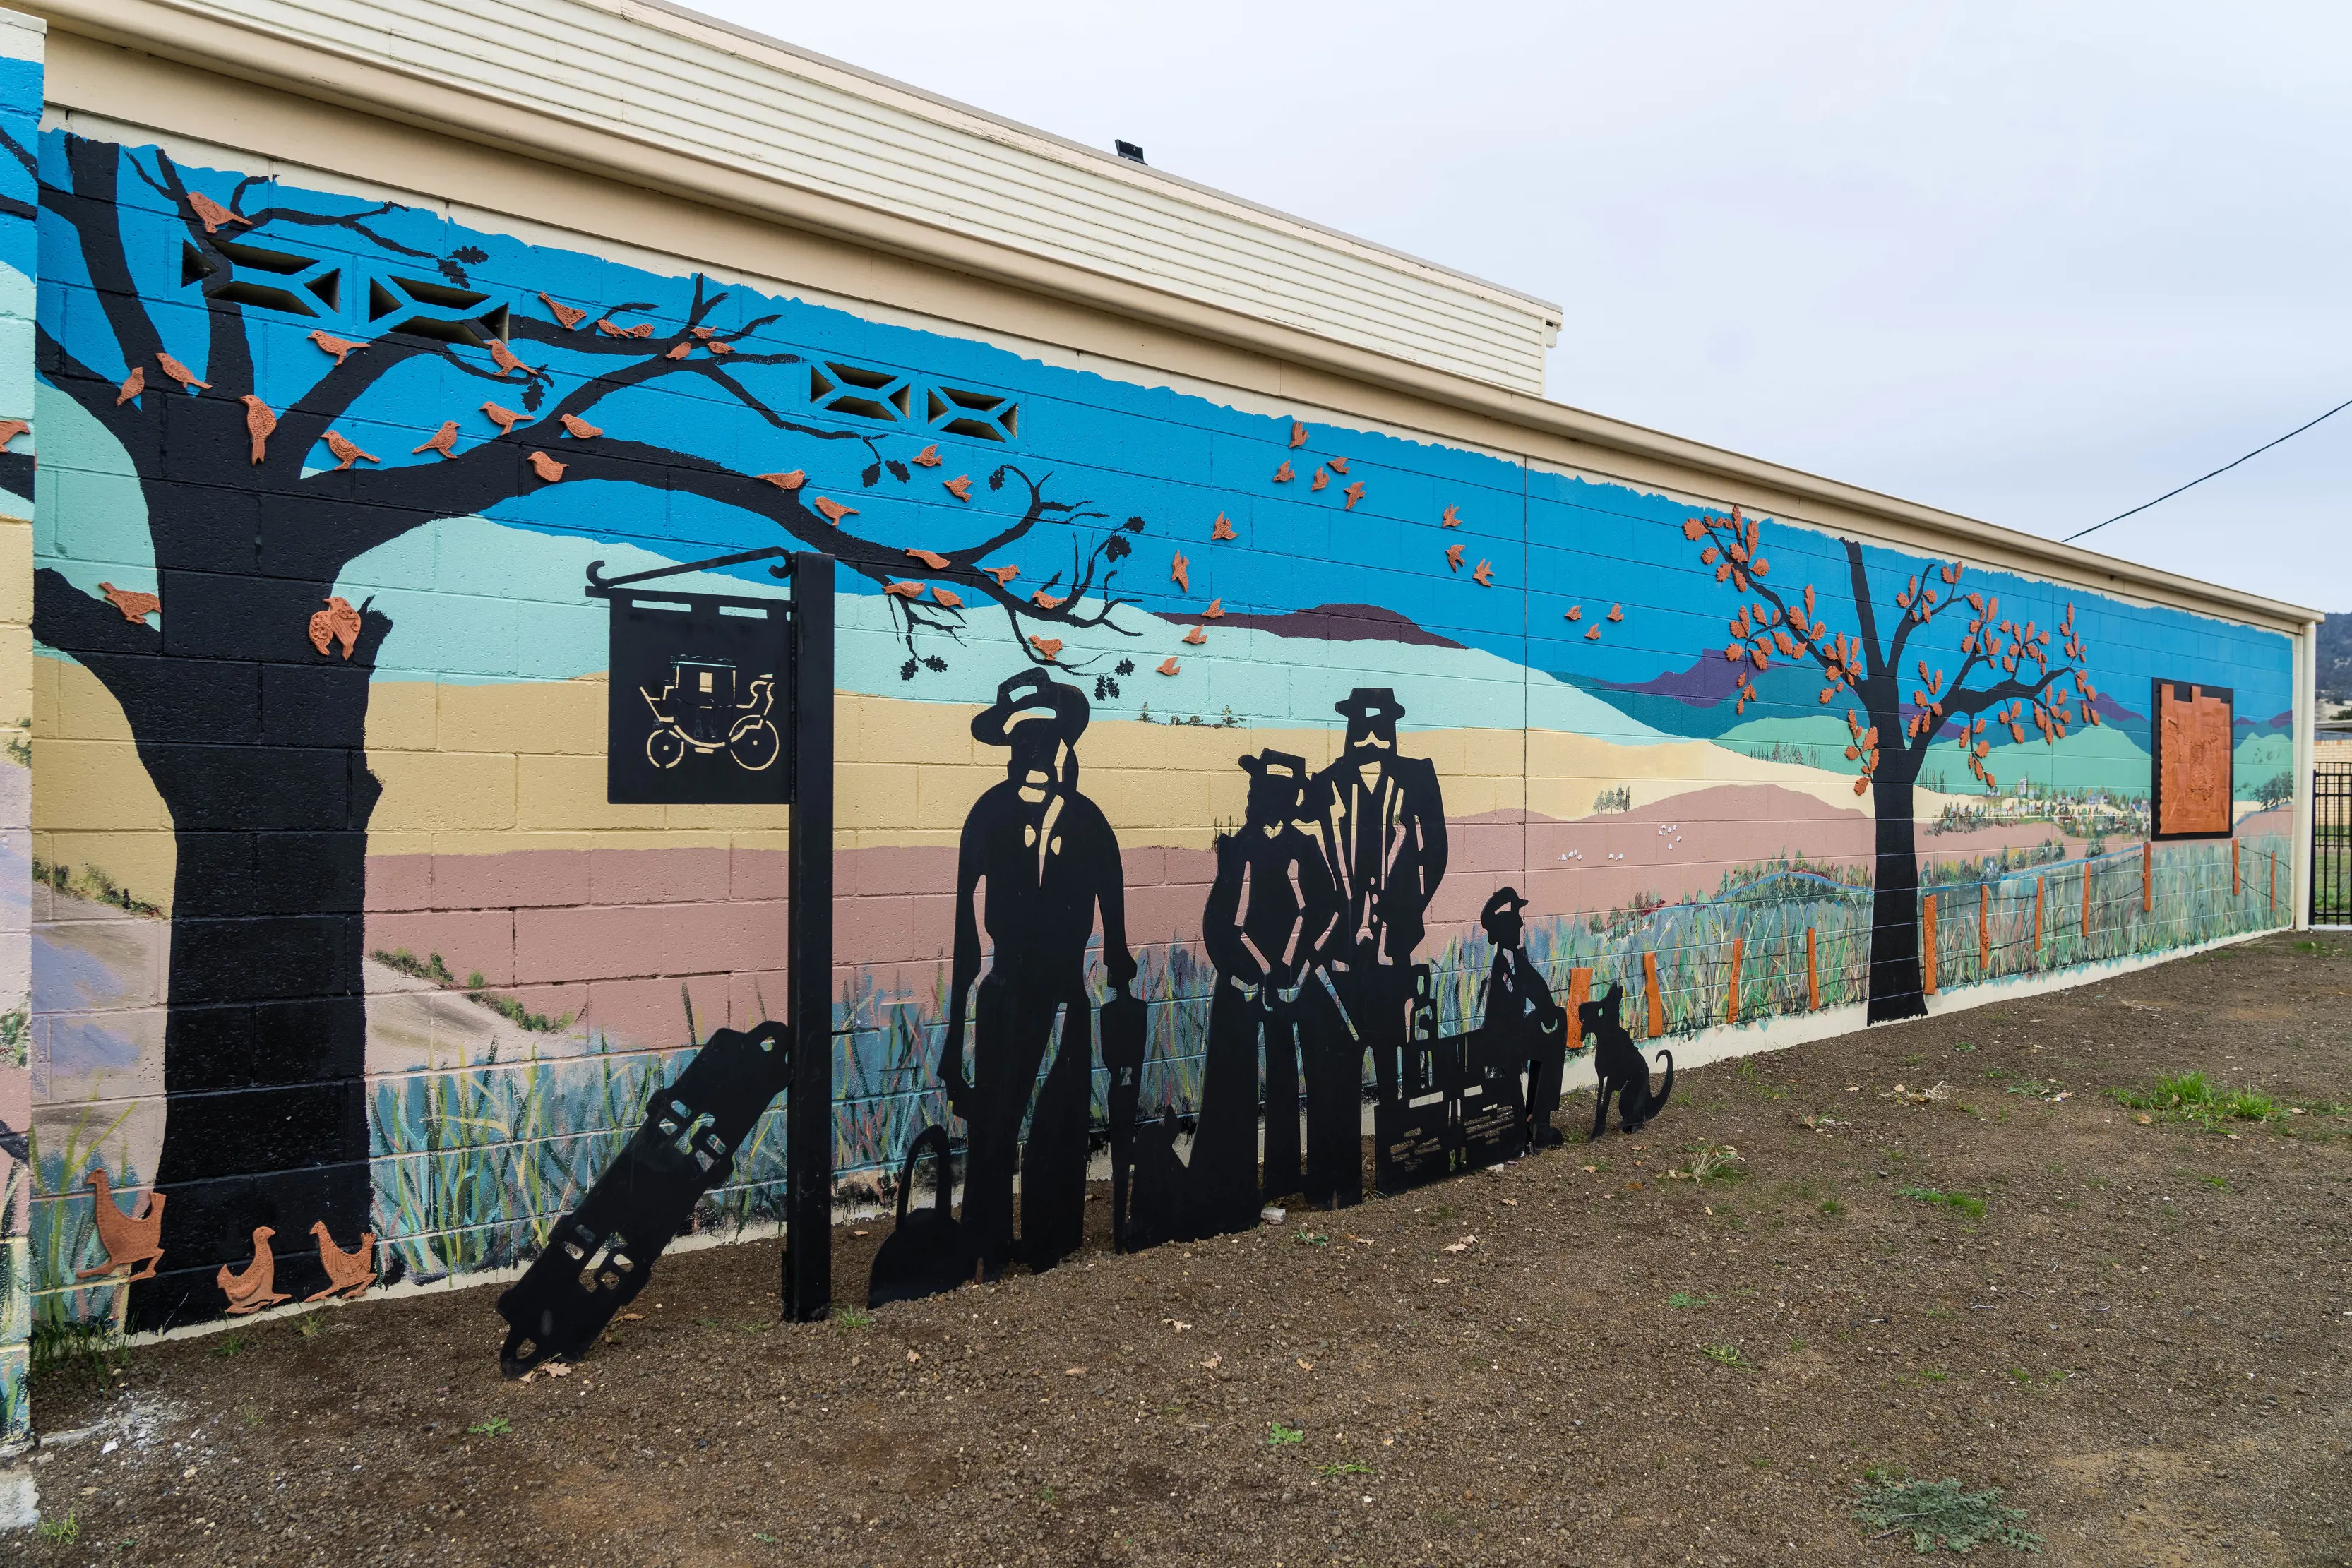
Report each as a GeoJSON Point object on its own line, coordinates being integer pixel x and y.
{"type": "Point", "coordinates": [473, 1164]}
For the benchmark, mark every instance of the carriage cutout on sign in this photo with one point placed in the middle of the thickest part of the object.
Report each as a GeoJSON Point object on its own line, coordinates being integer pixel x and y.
{"type": "Point", "coordinates": [697, 711]}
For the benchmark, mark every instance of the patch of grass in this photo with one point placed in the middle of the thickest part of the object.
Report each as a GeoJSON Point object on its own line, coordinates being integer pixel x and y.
{"type": "Point", "coordinates": [2218, 1183]}
{"type": "Point", "coordinates": [2193, 1097]}
{"type": "Point", "coordinates": [232, 1344]}
{"type": "Point", "coordinates": [851, 1318]}
{"type": "Point", "coordinates": [1711, 1162]}
{"type": "Point", "coordinates": [1974, 1208]}
{"type": "Point", "coordinates": [496, 1427]}
{"type": "Point", "coordinates": [1278, 1436]}
{"type": "Point", "coordinates": [1726, 1355]}
{"type": "Point", "coordinates": [64, 1532]}
{"type": "Point", "coordinates": [1964, 1045]}
{"type": "Point", "coordinates": [1832, 1207]}
{"type": "Point", "coordinates": [1346, 1468]}
{"type": "Point", "coordinates": [1940, 1514]}
{"type": "Point", "coordinates": [1307, 1238]}
{"type": "Point", "coordinates": [90, 1350]}
{"type": "Point", "coordinates": [1681, 1299]}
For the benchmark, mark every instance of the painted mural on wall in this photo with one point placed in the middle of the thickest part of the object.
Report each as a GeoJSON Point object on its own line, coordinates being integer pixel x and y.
{"type": "Point", "coordinates": [345, 936]}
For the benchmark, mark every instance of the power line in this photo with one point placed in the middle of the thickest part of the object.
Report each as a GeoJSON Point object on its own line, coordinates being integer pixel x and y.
{"type": "Point", "coordinates": [2225, 467]}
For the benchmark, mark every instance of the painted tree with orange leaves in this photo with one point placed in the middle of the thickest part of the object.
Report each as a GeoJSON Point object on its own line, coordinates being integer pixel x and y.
{"type": "Point", "coordinates": [2017, 681]}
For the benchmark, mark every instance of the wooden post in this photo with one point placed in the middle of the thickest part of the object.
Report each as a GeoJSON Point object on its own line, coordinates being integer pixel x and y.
{"type": "Point", "coordinates": [1731, 1002]}
{"type": "Point", "coordinates": [2237, 877]}
{"type": "Point", "coordinates": [1580, 991]}
{"type": "Point", "coordinates": [2086, 898]}
{"type": "Point", "coordinates": [1927, 943]}
{"type": "Point", "coordinates": [2147, 877]}
{"type": "Point", "coordinates": [1813, 976]}
{"type": "Point", "coordinates": [2037, 920]}
{"type": "Point", "coordinates": [1657, 1019]}
{"type": "Point", "coordinates": [1984, 929]}
{"type": "Point", "coordinates": [2274, 881]}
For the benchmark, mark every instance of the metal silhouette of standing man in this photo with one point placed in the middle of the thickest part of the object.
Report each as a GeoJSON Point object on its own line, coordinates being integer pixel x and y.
{"type": "Point", "coordinates": [1049, 859]}
{"type": "Point", "coordinates": [1382, 821]}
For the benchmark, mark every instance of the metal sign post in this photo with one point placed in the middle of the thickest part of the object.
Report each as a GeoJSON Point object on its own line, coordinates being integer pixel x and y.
{"type": "Point", "coordinates": [808, 1124]}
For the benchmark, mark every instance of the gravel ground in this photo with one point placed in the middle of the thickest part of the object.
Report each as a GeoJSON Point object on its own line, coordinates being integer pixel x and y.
{"type": "Point", "coordinates": [1582, 1358]}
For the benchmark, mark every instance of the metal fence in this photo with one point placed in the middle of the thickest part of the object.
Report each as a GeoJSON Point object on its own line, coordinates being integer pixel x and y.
{"type": "Point", "coordinates": [2331, 845]}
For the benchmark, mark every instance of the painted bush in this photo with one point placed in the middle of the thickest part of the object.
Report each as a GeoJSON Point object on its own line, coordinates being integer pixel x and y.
{"type": "Point", "coordinates": [338, 933]}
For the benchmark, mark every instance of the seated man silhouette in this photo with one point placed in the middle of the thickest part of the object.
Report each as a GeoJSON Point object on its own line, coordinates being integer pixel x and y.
{"type": "Point", "coordinates": [1050, 861]}
{"type": "Point", "coordinates": [1521, 1023]}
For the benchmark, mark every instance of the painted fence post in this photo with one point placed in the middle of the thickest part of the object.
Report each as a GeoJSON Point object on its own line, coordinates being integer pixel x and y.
{"type": "Point", "coordinates": [2147, 877]}
{"type": "Point", "coordinates": [1984, 929]}
{"type": "Point", "coordinates": [1813, 976]}
{"type": "Point", "coordinates": [2086, 898]}
{"type": "Point", "coordinates": [1731, 1002]}
{"type": "Point", "coordinates": [2274, 881]}
{"type": "Point", "coordinates": [1580, 991]}
{"type": "Point", "coordinates": [1927, 944]}
{"type": "Point", "coordinates": [2037, 921]}
{"type": "Point", "coordinates": [1657, 1019]}
{"type": "Point", "coordinates": [2237, 877]}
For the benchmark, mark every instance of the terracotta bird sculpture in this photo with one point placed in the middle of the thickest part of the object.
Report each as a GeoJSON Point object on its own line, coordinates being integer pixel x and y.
{"type": "Point", "coordinates": [349, 1274]}
{"type": "Point", "coordinates": [705, 333]}
{"type": "Point", "coordinates": [1354, 493]}
{"type": "Point", "coordinates": [904, 590]}
{"type": "Point", "coordinates": [1576, 612]}
{"type": "Point", "coordinates": [1283, 476]}
{"type": "Point", "coordinates": [679, 351]}
{"type": "Point", "coordinates": [1321, 478]}
{"type": "Point", "coordinates": [1180, 573]}
{"type": "Point", "coordinates": [1449, 518]}
{"type": "Point", "coordinates": [1454, 554]}
{"type": "Point", "coordinates": [1338, 465]}
{"type": "Point", "coordinates": [258, 422]}
{"type": "Point", "coordinates": [959, 487]}
{"type": "Point", "coordinates": [547, 467]}
{"type": "Point", "coordinates": [929, 457]}
{"type": "Point", "coordinates": [335, 345]}
{"type": "Point", "coordinates": [1616, 613]}
{"type": "Point", "coordinates": [337, 623]}
{"type": "Point", "coordinates": [249, 1289]}
{"type": "Point", "coordinates": [1593, 633]}
{"type": "Point", "coordinates": [1483, 574]}
{"type": "Point", "coordinates": [1166, 666]}
{"type": "Point", "coordinates": [566, 316]}
{"type": "Point", "coordinates": [834, 510]}
{"type": "Point", "coordinates": [1221, 529]}
{"type": "Point", "coordinates": [505, 419]}
{"type": "Point", "coordinates": [792, 481]}
{"type": "Point", "coordinates": [133, 386]}
{"type": "Point", "coordinates": [346, 452]}
{"type": "Point", "coordinates": [1045, 600]}
{"type": "Point", "coordinates": [1215, 612]}
{"type": "Point", "coordinates": [1195, 637]}
{"type": "Point", "coordinates": [575, 425]}
{"type": "Point", "coordinates": [443, 441]}
{"type": "Point", "coordinates": [946, 597]}
{"type": "Point", "coordinates": [1047, 647]}
{"type": "Point", "coordinates": [129, 1239]}
{"type": "Point", "coordinates": [1297, 433]}
{"type": "Point", "coordinates": [932, 559]}
{"type": "Point", "coordinates": [135, 606]}
{"type": "Point", "coordinates": [604, 325]}
{"type": "Point", "coordinates": [11, 428]}
{"type": "Point", "coordinates": [719, 346]}
{"type": "Point", "coordinates": [503, 357]}
{"type": "Point", "coordinates": [213, 214]}
{"type": "Point", "coordinates": [1004, 574]}
{"type": "Point", "coordinates": [180, 373]}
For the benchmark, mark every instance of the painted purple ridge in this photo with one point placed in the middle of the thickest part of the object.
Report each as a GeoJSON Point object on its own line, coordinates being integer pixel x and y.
{"type": "Point", "coordinates": [1333, 624]}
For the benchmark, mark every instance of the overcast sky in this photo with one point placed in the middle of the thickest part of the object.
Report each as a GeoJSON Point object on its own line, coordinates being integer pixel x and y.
{"type": "Point", "coordinates": [2034, 263]}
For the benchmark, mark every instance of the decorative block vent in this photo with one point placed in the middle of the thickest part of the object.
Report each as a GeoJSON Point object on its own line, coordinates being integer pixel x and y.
{"type": "Point", "coordinates": [265, 279]}
{"type": "Point", "coordinates": [839, 388]}
{"type": "Point", "coordinates": [439, 310]}
{"type": "Point", "coordinates": [983, 416]}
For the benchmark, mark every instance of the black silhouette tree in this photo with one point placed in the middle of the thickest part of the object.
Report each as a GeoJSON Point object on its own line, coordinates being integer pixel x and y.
{"type": "Point", "coordinates": [255, 740]}
{"type": "Point", "coordinates": [2019, 684]}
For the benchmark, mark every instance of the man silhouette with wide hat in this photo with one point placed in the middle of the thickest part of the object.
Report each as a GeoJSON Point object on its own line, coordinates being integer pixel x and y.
{"type": "Point", "coordinates": [1050, 862]}
{"type": "Point", "coordinates": [1525, 1030]}
{"type": "Point", "coordinates": [1381, 819]}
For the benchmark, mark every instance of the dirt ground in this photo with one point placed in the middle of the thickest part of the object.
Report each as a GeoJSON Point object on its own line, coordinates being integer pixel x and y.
{"type": "Point", "coordinates": [2142, 1341]}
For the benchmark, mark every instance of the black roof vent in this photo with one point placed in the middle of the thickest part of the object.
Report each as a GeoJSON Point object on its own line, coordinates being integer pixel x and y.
{"type": "Point", "coordinates": [1128, 151]}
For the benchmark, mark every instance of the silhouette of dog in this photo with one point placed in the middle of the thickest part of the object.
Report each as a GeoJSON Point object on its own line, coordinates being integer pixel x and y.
{"type": "Point", "coordinates": [1623, 1070]}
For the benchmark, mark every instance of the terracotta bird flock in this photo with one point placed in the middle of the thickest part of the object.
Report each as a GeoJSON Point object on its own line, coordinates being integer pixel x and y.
{"type": "Point", "coordinates": [348, 452]}
{"type": "Point", "coordinates": [503, 357]}
{"type": "Point", "coordinates": [1004, 574]}
{"type": "Point", "coordinates": [1354, 493]}
{"type": "Point", "coordinates": [575, 425]}
{"type": "Point", "coordinates": [444, 440]}
{"type": "Point", "coordinates": [133, 386]}
{"type": "Point", "coordinates": [251, 1287]}
{"type": "Point", "coordinates": [1195, 637]}
{"type": "Point", "coordinates": [1221, 529]}
{"type": "Point", "coordinates": [834, 510]}
{"type": "Point", "coordinates": [791, 481]}
{"type": "Point", "coordinates": [129, 1239]}
{"type": "Point", "coordinates": [1454, 554]}
{"type": "Point", "coordinates": [258, 422]}
{"type": "Point", "coordinates": [547, 467]}
{"type": "Point", "coordinates": [1167, 666]}
{"type": "Point", "coordinates": [180, 373]}
{"type": "Point", "coordinates": [929, 457]}
{"type": "Point", "coordinates": [959, 487]}
{"type": "Point", "coordinates": [1297, 433]}
{"type": "Point", "coordinates": [567, 316]}
{"type": "Point", "coordinates": [349, 1274]}
{"type": "Point", "coordinates": [1180, 573]}
{"type": "Point", "coordinates": [135, 606]}
{"type": "Point", "coordinates": [335, 345]}
{"type": "Point", "coordinates": [213, 214]}
{"type": "Point", "coordinates": [1283, 476]}
{"type": "Point", "coordinates": [505, 419]}
{"type": "Point", "coordinates": [1047, 647]}
{"type": "Point", "coordinates": [1321, 478]}
{"type": "Point", "coordinates": [337, 623]}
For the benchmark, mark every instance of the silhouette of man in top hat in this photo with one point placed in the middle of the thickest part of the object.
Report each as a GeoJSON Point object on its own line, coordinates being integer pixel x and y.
{"type": "Point", "coordinates": [1381, 821]}
{"type": "Point", "coordinates": [1525, 1030]}
{"type": "Point", "coordinates": [1050, 861]}
{"type": "Point", "coordinates": [1269, 911]}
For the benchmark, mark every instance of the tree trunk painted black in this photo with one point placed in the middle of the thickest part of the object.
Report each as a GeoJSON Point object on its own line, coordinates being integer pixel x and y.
{"type": "Point", "coordinates": [1895, 991]}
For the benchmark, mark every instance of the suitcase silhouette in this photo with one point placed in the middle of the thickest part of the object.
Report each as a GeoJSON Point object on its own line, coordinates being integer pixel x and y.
{"type": "Point", "coordinates": [926, 1253]}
